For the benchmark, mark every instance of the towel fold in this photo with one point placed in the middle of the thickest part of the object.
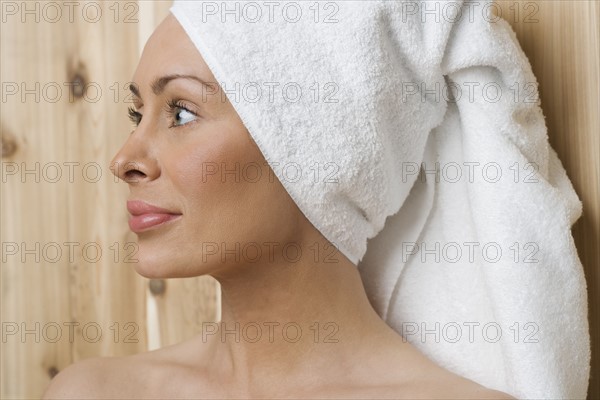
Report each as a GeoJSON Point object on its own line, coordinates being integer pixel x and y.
{"type": "Point", "coordinates": [415, 126]}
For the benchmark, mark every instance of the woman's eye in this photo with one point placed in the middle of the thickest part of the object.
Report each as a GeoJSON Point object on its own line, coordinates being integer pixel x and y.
{"type": "Point", "coordinates": [180, 114]}
{"type": "Point", "coordinates": [183, 116]}
{"type": "Point", "coordinates": [176, 112]}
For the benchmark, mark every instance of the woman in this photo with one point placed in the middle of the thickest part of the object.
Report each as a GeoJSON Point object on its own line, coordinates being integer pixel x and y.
{"type": "Point", "coordinates": [342, 348]}
{"type": "Point", "coordinates": [273, 180]}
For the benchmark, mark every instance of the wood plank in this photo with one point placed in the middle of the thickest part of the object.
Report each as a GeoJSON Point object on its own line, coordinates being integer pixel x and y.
{"type": "Point", "coordinates": [50, 211]}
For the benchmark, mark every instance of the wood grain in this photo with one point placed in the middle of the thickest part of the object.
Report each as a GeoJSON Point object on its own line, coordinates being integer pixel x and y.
{"type": "Point", "coordinates": [54, 131]}
{"type": "Point", "coordinates": [74, 129]}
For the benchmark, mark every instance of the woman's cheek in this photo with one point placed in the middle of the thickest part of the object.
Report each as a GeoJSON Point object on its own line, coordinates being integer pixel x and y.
{"type": "Point", "coordinates": [203, 169]}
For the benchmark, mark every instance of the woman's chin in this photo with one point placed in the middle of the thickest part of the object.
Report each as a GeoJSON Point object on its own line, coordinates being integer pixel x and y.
{"type": "Point", "coordinates": [154, 267]}
{"type": "Point", "coordinates": [151, 271]}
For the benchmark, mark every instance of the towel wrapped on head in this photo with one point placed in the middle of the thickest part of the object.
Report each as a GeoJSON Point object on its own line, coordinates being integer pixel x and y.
{"type": "Point", "coordinates": [415, 126]}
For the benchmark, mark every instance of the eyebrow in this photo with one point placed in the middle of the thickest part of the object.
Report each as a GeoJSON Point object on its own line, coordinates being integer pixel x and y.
{"type": "Point", "coordinates": [158, 86]}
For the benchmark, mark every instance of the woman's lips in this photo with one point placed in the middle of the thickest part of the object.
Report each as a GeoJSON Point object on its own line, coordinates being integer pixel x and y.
{"type": "Point", "coordinates": [145, 216]}
{"type": "Point", "coordinates": [140, 223]}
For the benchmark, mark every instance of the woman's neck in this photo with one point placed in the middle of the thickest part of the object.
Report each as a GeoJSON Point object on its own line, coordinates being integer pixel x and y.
{"type": "Point", "coordinates": [295, 322]}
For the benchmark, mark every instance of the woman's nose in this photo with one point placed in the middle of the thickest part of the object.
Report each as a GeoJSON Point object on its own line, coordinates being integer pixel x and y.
{"type": "Point", "coordinates": [133, 163]}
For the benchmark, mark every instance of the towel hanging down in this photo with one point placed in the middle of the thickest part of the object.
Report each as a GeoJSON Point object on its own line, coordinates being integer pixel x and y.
{"type": "Point", "coordinates": [415, 126]}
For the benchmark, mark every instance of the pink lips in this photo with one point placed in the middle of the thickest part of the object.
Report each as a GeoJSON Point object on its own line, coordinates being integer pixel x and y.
{"type": "Point", "coordinates": [145, 216]}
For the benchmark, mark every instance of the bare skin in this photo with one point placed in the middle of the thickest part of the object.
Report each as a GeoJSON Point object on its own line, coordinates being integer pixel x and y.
{"type": "Point", "coordinates": [344, 350]}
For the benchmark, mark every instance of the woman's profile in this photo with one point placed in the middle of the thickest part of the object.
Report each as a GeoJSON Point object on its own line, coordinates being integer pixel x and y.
{"type": "Point", "coordinates": [349, 352]}
{"type": "Point", "coordinates": [297, 320]}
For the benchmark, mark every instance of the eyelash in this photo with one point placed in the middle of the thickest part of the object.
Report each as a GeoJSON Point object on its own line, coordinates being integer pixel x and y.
{"type": "Point", "coordinates": [170, 107]}
{"type": "Point", "coordinates": [134, 116]}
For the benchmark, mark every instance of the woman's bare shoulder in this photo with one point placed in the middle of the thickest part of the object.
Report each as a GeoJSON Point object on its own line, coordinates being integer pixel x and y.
{"type": "Point", "coordinates": [144, 375]}
{"type": "Point", "coordinates": [441, 390]}
{"type": "Point", "coordinates": [483, 393]}
{"type": "Point", "coordinates": [108, 377]}
{"type": "Point", "coordinates": [455, 387]}
{"type": "Point", "coordinates": [82, 379]}
{"type": "Point", "coordinates": [431, 381]}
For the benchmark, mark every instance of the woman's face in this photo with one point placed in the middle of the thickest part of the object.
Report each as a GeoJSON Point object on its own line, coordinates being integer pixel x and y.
{"type": "Point", "coordinates": [191, 155]}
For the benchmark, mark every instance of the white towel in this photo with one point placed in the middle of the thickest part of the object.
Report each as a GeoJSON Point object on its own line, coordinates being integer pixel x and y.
{"type": "Point", "coordinates": [348, 100]}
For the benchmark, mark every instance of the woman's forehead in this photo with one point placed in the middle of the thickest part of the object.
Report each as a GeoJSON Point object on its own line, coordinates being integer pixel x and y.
{"type": "Point", "coordinates": [169, 51]}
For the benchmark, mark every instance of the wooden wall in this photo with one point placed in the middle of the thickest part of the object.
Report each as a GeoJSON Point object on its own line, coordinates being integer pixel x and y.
{"type": "Point", "coordinates": [63, 112]}
{"type": "Point", "coordinates": [58, 194]}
